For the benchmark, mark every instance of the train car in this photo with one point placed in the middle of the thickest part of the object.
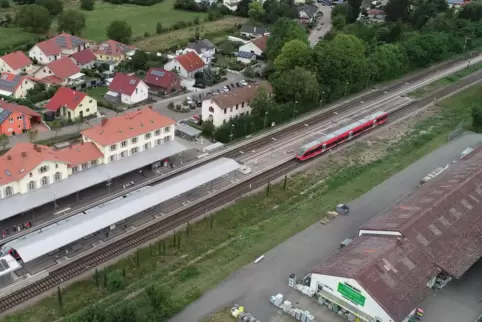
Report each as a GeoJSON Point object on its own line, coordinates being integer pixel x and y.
{"type": "Point", "coordinates": [340, 136]}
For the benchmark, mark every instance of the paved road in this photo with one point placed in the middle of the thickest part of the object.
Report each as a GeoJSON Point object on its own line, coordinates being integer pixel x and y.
{"type": "Point", "coordinates": [160, 106]}
{"type": "Point", "coordinates": [253, 284]}
{"type": "Point", "coordinates": [324, 24]}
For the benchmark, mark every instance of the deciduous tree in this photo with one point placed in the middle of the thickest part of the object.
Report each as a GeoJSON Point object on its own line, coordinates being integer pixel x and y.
{"type": "Point", "coordinates": [87, 5]}
{"type": "Point", "coordinates": [54, 7]}
{"type": "Point", "coordinates": [387, 62]}
{"type": "Point", "coordinates": [339, 22]}
{"type": "Point", "coordinates": [397, 10]}
{"type": "Point", "coordinates": [354, 12]}
{"type": "Point", "coordinates": [297, 84]}
{"type": "Point", "coordinates": [471, 11]}
{"type": "Point", "coordinates": [71, 21]}
{"type": "Point", "coordinates": [283, 31]}
{"type": "Point", "coordinates": [477, 118]}
{"type": "Point", "coordinates": [256, 11]}
{"type": "Point", "coordinates": [34, 18]}
{"type": "Point", "coordinates": [294, 53]}
{"type": "Point", "coordinates": [120, 31]}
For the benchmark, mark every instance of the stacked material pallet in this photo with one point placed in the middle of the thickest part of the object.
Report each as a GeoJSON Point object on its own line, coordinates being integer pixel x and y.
{"type": "Point", "coordinates": [300, 315]}
{"type": "Point", "coordinates": [239, 313]}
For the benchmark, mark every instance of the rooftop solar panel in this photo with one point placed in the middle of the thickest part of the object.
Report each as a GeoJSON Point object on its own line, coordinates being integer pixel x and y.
{"type": "Point", "coordinates": [4, 114]}
{"type": "Point", "coordinates": [158, 73]}
{"type": "Point", "coordinates": [132, 82]}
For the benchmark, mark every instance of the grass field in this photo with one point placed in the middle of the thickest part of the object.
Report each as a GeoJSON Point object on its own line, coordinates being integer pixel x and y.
{"type": "Point", "coordinates": [14, 37]}
{"type": "Point", "coordinates": [141, 18]}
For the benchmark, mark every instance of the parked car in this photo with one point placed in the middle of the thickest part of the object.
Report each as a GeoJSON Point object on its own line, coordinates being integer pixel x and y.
{"type": "Point", "coordinates": [243, 82]}
{"type": "Point", "coordinates": [342, 209]}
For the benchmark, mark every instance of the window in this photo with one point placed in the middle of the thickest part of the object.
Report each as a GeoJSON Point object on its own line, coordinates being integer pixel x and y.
{"type": "Point", "coordinates": [237, 106]}
{"type": "Point", "coordinates": [8, 191]}
{"type": "Point", "coordinates": [134, 150]}
{"type": "Point", "coordinates": [167, 129]}
{"type": "Point", "coordinates": [147, 146]}
{"type": "Point", "coordinates": [124, 144]}
{"type": "Point", "coordinates": [31, 185]}
{"type": "Point", "coordinates": [11, 120]}
{"type": "Point", "coordinates": [57, 176]}
{"type": "Point", "coordinates": [43, 169]}
{"type": "Point", "coordinates": [113, 147]}
{"type": "Point", "coordinates": [160, 141]}
{"type": "Point", "coordinates": [93, 162]}
{"type": "Point", "coordinates": [90, 101]}
{"type": "Point", "coordinates": [134, 140]}
{"type": "Point", "coordinates": [84, 166]}
{"type": "Point", "coordinates": [147, 136]}
{"type": "Point", "coordinates": [20, 117]}
{"type": "Point", "coordinates": [75, 169]}
{"type": "Point", "coordinates": [112, 158]}
{"type": "Point", "coordinates": [30, 175]}
{"type": "Point", "coordinates": [87, 110]}
{"type": "Point", "coordinates": [167, 138]}
{"type": "Point", "coordinates": [242, 104]}
{"type": "Point", "coordinates": [45, 181]}
{"type": "Point", "coordinates": [211, 109]}
{"type": "Point", "coordinates": [225, 110]}
{"type": "Point", "coordinates": [56, 166]}
{"type": "Point", "coordinates": [158, 132]}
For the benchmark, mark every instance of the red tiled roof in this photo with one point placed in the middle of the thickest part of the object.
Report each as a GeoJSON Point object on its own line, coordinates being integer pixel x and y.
{"type": "Point", "coordinates": [49, 47]}
{"type": "Point", "coordinates": [391, 270]}
{"type": "Point", "coordinates": [80, 153]}
{"type": "Point", "coordinates": [63, 68]}
{"type": "Point", "coordinates": [260, 42]}
{"type": "Point", "coordinates": [124, 84]}
{"type": "Point", "coordinates": [65, 97]}
{"type": "Point", "coordinates": [16, 60]}
{"type": "Point", "coordinates": [127, 126]}
{"type": "Point", "coordinates": [112, 48]}
{"type": "Point", "coordinates": [442, 218]}
{"type": "Point", "coordinates": [190, 61]}
{"type": "Point", "coordinates": [84, 56]}
{"type": "Point", "coordinates": [23, 158]}
{"type": "Point", "coordinates": [49, 80]}
{"type": "Point", "coordinates": [18, 108]}
{"type": "Point", "coordinates": [160, 77]}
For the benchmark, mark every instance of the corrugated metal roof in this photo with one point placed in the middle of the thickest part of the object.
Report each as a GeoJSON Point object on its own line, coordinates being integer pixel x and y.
{"type": "Point", "coordinates": [19, 203]}
{"type": "Point", "coordinates": [443, 217]}
{"type": "Point", "coordinates": [186, 129]}
{"type": "Point", "coordinates": [62, 233]}
{"type": "Point", "coordinates": [391, 270]}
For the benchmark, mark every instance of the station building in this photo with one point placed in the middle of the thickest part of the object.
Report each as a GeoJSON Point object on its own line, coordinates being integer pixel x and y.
{"type": "Point", "coordinates": [408, 251]}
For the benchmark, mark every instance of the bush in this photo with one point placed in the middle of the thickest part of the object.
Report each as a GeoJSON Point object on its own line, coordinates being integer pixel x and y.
{"type": "Point", "coordinates": [87, 5]}
{"type": "Point", "coordinates": [188, 273]}
{"type": "Point", "coordinates": [159, 28]}
{"type": "Point", "coordinates": [147, 34]}
{"type": "Point", "coordinates": [115, 281]}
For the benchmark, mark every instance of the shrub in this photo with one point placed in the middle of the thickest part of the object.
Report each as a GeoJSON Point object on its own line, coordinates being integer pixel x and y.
{"type": "Point", "coordinates": [87, 5]}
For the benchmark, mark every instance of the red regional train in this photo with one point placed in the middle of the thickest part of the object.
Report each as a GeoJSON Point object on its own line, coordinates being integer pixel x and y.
{"type": "Point", "coordinates": [346, 133]}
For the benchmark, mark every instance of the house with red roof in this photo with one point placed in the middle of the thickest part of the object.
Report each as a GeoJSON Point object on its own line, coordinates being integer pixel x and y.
{"type": "Point", "coordinates": [127, 89]}
{"type": "Point", "coordinates": [15, 63]}
{"type": "Point", "coordinates": [15, 86]}
{"type": "Point", "coordinates": [62, 71]}
{"type": "Point", "coordinates": [186, 65]}
{"type": "Point", "coordinates": [16, 119]}
{"type": "Point", "coordinates": [64, 44]}
{"type": "Point", "coordinates": [84, 59]}
{"type": "Point", "coordinates": [256, 46]}
{"type": "Point", "coordinates": [72, 104]}
{"type": "Point", "coordinates": [162, 80]}
{"type": "Point", "coordinates": [112, 51]}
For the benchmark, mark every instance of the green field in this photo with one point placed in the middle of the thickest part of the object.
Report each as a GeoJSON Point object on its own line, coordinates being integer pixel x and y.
{"type": "Point", "coordinates": [141, 18]}
{"type": "Point", "coordinates": [11, 38]}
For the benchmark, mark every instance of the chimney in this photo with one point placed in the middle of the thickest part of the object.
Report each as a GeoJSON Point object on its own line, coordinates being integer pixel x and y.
{"type": "Point", "coordinates": [24, 154]}
{"type": "Point", "coordinates": [9, 158]}
{"type": "Point", "coordinates": [150, 107]}
{"type": "Point", "coordinates": [104, 122]}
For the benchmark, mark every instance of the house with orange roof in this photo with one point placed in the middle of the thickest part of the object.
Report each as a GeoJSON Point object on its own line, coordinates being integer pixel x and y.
{"type": "Point", "coordinates": [15, 86]}
{"type": "Point", "coordinates": [62, 71]}
{"type": "Point", "coordinates": [16, 119]}
{"type": "Point", "coordinates": [15, 63]}
{"type": "Point", "coordinates": [131, 133]}
{"type": "Point", "coordinates": [112, 51]}
{"type": "Point", "coordinates": [72, 104]}
{"type": "Point", "coordinates": [52, 49]}
{"type": "Point", "coordinates": [186, 65]}
{"type": "Point", "coordinates": [27, 167]}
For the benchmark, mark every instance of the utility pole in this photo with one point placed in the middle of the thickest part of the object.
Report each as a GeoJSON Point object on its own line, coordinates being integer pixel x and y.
{"type": "Point", "coordinates": [294, 110]}
{"type": "Point", "coordinates": [346, 86]}
{"type": "Point", "coordinates": [265, 115]}
{"type": "Point", "coordinates": [465, 42]}
{"type": "Point", "coordinates": [470, 59]}
{"type": "Point", "coordinates": [231, 135]}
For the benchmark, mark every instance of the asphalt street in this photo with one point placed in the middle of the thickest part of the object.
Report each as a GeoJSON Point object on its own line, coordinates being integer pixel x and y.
{"type": "Point", "coordinates": [323, 26]}
{"type": "Point", "coordinates": [252, 285]}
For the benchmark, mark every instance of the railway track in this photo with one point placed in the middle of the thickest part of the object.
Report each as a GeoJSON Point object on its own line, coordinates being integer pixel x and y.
{"type": "Point", "coordinates": [142, 236]}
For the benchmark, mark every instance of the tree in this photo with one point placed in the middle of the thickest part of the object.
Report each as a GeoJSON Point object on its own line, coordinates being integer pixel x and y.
{"type": "Point", "coordinates": [297, 84]}
{"type": "Point", "coordinates": [4, 140]}
{"type": "Point", "coordinates": [54, 7]}
{"type": "Point", "coordinates": [354, 12]}
{"type": "Point", "coordinates": [340, 9]}
{"type": "Point", "coordinates": [159, 28]}
{"type": "Point", "coordinates": [139, 60]}
{"type": "Point", "coordinates": [471, 11]}
{"type": "Point", "coordinates": [34, 18]}
{"type": "Point", "coordinates": [71, 21]}
{"type": "Point", "coordinates": [339, 22]}
{"type": "Point", "coordinates": [294, 53]}
{"type": "Point", "coordinates": [5, 4]}
{"type": "Point", "coordinates": [283, 31]}
{"type": "Point", "coordinates": [87, 5]}
{"type": "Point", "coordinates": [243, 8]}
{"type": "Point", "coordinates": [256, 11]}
{"type": "Point", "coordinates": [397, 10]}
{"type": "Point", "coordinates": [208, 128]}
{"type": "Point", "coordinates": [424, 49]}
{"type": "Point", "coordinates": [477, 118]}
{"type": "Point", "coordinates": [387, 62]}
{"type": "Point", "coordinates": [260, 102]}
{"type": "Point", "coordinates": [120, 31]}
{"type": "Point", "coordinates": [426, 9]}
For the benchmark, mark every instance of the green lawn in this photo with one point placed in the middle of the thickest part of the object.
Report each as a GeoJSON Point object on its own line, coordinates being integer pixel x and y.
{"type": "Point", "coordinates": [11, 38]}
{"type": "Point", "coordinates": [141, 18]}
{"type": "Point", "coordinates": [97, 92]}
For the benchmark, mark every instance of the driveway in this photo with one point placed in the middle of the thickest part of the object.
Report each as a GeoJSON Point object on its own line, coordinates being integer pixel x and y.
{"type": "Point", "coordinates": [159, 106]}
{"type": "Point", "coordinates": [324, 24]}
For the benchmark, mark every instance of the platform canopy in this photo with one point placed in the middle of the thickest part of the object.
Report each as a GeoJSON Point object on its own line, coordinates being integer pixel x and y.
{"type": "Point", "coordinates": [65, 232]}
{"type": "Point", "coordinates": [19, 203]}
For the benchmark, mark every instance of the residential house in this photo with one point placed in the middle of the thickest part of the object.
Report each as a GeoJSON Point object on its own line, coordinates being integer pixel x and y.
{"type": "Point", "coordinates": [256, 46]}
{"type": "Point", "coordinates": [186, 65]}
{"type": "Point", "coordinates": [72, 104]}
{"type": "Point", "coordinates": [127, 89]}
{"type": "Point", "coordinates": [223, 107]}
{"type": "Point", "coordinates": [52, 49]}
{"type": "Point", "coordinates": [62, 71]}
{"type": "Point", "coordinates": [15, 86]}
{"type": "Point", "coordinates": [231, 4]}
{"type": "Point", "coordinates": [457, 3]}
{"type": "Point", "coordinates": [204, 48]}
{"type": "Point", "coordinates": [245, 57]}
{"type": "Point", "coordinates": [27, 167]}
{"type": "Point", "coordinates": [85, 59]}
{"type": "Point", "coordinates": [16, 119]}
{"type": "Point", "coordinates": [163, 80]}
{"type": "Point", "coordinates": [130, 133]}
{"type": "Point", "coordinates": [376, 15]}
{"type": "Point", "coordinates": [112, 51]}
{"type": "Point", "coordinates": [15, 63]}
{"type": "Point", "coordinates": [307, 13]}
{"type": "Point", "coordinates": [253, 31]}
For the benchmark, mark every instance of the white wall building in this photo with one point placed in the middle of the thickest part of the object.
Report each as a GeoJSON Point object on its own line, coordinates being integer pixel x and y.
{"type": "Point", "coordinates": [127, 89]}
{"type": "Point", "coordinates": [186, 65]}
{"type": "Point", "coordinates": [256, 46]}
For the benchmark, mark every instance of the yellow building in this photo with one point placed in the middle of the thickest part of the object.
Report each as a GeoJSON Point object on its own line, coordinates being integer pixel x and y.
{"type": "Point", "coordinates": [112, 50]}
{"type": "Point", "coordinates": [72, 104]}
